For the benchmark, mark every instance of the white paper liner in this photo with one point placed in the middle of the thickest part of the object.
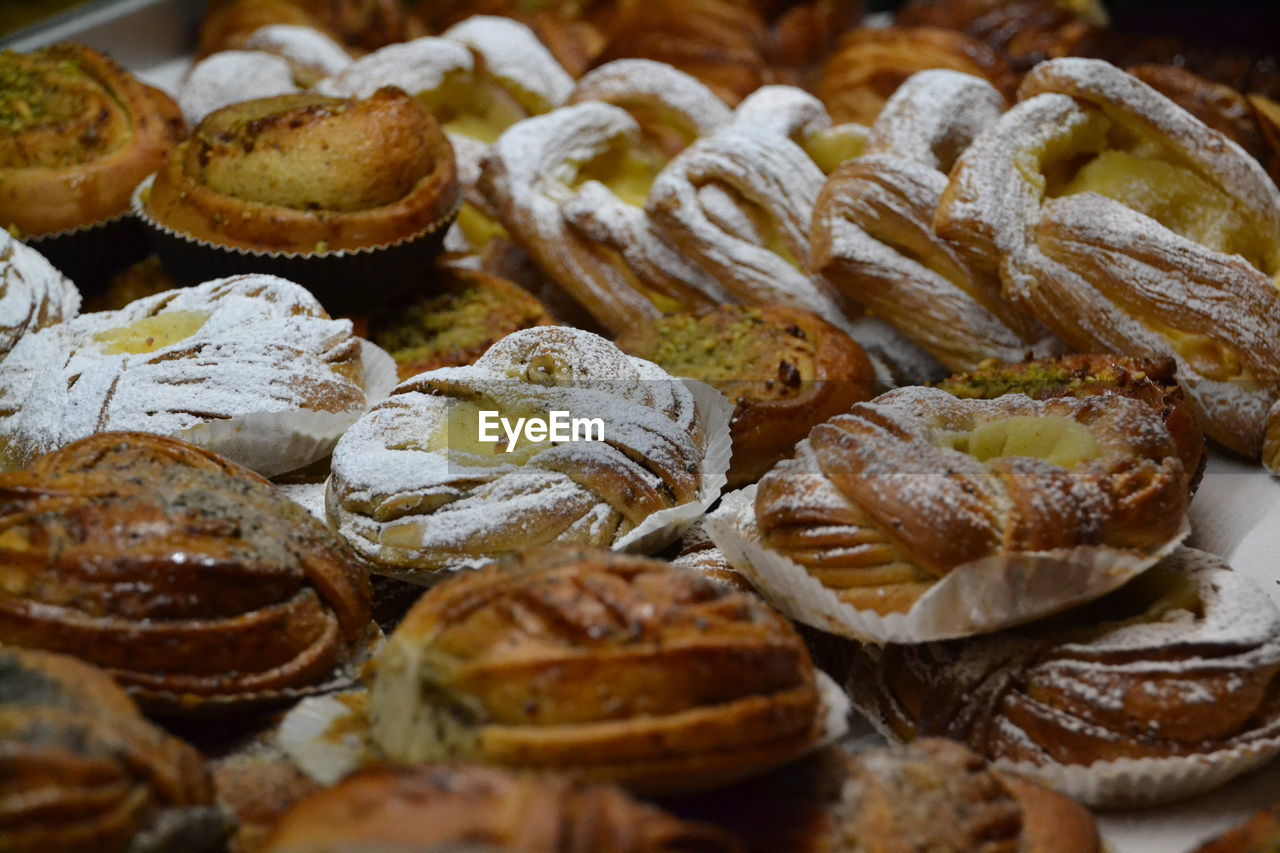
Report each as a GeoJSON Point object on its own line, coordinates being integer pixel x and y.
{"type": "Point", "coordinates": [327, 737]}
{"type": "Point", "coordinates": [273, 443]}
{"type": "Point", "coordinates": [974, 598]}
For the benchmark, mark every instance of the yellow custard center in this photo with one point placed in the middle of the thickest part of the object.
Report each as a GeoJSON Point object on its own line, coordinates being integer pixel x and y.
{"type": "Point", "coordinates": [151, 334]}
{"type": "Point", "coordinates": [1057, 440]}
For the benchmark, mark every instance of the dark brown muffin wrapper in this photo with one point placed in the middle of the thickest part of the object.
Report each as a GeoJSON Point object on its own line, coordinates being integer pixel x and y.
{"type": "Point", "coordinates": [92, 254]}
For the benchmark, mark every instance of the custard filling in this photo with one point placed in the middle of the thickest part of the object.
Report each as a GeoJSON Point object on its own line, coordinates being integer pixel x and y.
{"type": "Point", "coordinates": [1057, 440]}
{"type": "Point", "coordinates": [473, 107]}
{"type": "Point", "coordinates": [151, 334]}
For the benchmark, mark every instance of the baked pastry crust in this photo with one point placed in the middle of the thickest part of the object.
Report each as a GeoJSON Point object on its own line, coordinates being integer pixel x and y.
{"type": "Point", "coordinates": [1027, 32]}
{"type": "Point", "coordinates": [358, 24]}
{"type": "Point", "coordinates": [880, 503]}
{"type": "Point", "coordinates": [191, 580]}
{"type": "Point", "coordinates": [604, 666]}
{"type": "Point", "coordinates": [79, 133]}
{"type": "Point", "coordinates": [1259, 834]}
{"type": "Point", "coordinates": [33, 294]}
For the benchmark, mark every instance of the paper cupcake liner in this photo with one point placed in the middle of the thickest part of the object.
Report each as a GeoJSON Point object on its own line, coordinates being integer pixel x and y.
{"type": "Point", "coordinates": [91, 254]}
{"type": "Point", "coordinates": [274, 443]}
{"type": "Point", "coordinates": [327, 737]}
{"type": "Point", "coordinates": [346, 281]}
{"type": "Point", "coordinates": [974, 598]}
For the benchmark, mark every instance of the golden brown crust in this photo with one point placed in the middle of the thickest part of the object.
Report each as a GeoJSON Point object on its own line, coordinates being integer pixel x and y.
{"type": "Point", "coordinates": [1025, 31]}
{"type": "Point", "coordinates": [259, 790]}
{"type": "Point", "coordinates": [185, 575]}
{"type": "Point", "coordinates": [606, 666]}
{"type": "Point", "coordinates": [1259, 834]}
{"type": "Point", "coordinates": [305, 173]}
{"type": "Point", "coordinates": [359, 24]}
{"type": "Point", "coordinates": [77, 134]}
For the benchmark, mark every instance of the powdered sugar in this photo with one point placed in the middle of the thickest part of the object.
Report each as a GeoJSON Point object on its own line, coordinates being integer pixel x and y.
{"type": "Point", "coordinates": [934, 116]}
{"type": "Point", "coordinates": [33, 294]}
{"type": "Point", "coordinates": [230, 77]}
{"type": "Point", "coordinates": [414, 66]}
{"type": "Point", "coordinates": [513, 55]}
{"type": "Point", "coordinates": [629, 83]}
{"type": "Point", "coordinates": [311, 53]}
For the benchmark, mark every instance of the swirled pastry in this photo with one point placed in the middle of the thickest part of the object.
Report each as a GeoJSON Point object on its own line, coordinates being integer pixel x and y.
{"type": "Point", "coordinates": [77, 134]}
{"type": "Point", "coordinates": [880, 503]}
{"type": "Point", "coordinates": [85, 771]}
{"type": "Point", "coordinates": [1182, 661]}
{"type": "Point", "coordinates": [422, 807]}
{"type": "Point", "coordinates": [188, 578]}
{"type": "Point", "coordinates": [417, 487]}
{"type": "Point", "coordinates": [1025, 31]}
{"type": "Point", "coordinates": [605, 666]}
{"type": "Point", "coordinates": [873, 228]}
{"type": "Point", "coordinates": [33, 294]}
{"type": "Point", "coordinates": [1126, 225]}
{"type": "Point", "coordinates": [184, 357]}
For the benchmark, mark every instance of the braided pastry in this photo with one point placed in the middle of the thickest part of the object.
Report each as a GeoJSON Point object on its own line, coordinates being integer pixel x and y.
{"type": "Point", "coordinates": [84, 771]}
{"type": "Point", "coordinates": [415, 487]}
{"type": "Point", "coordinates": [1126, 225]}
{"type": "Point", "coordinates": [605, 666]}
{"type": "Point", "coordinates": [190, 579]}
{"type": "Point", "coordinates": [881, 503]}
{"type": "Point", "coordinates": [1181, 662]}
{"type": "Point", "coordinates": [33, 294]}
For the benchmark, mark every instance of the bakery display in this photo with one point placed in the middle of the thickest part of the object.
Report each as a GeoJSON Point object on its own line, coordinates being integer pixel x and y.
{"type": "Point", "coordinates": [605, 666]}
{"type": "Point", "coordinates": [191, 580]}
{"type": "Point", "coordinates": [33, 294]}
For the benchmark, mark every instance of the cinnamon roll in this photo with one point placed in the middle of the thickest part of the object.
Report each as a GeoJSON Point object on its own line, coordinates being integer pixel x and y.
{"type": "Point", "coordinates": [33, 295]}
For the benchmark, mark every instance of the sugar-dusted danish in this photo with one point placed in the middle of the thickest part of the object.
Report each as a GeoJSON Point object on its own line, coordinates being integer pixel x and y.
{"type": "Point", "coordinates": [193, 581]}
{"type": "Point", "coordinates": [434, 806]}
{"type": "Point", "coordinates": [426, 480]}
{"type": "Point", "coordinates": [785, 371]}
{"type": "Point", "coordinates": [873, 232]}
{"type": "Point", "coordinates": [1179, 663]}
{"type": "Point", "coordinates": [605, 666]}
{"type": "Point", "coordinates": [33, 294]}
{"type": "Point", "coordinates": [311, 54]}
{"type": "Point", "coordinates": [881, 503]}
{"type": "Point", "coordinates": [182, 358]}
{"type": "Point", "coordinates": [84, 771]}
{"type": "Point", "coordinates": [1126, 225]}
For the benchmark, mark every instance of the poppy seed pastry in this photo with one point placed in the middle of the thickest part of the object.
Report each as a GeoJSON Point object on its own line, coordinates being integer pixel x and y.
{"type": "Point", "coordinates": [604, 666]}
{"type": "Point", "coordinates": [191, 580]}
{"type": "Point", "coordinates": [33, 294]}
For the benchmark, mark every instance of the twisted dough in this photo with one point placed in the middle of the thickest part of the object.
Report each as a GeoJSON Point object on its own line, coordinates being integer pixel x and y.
{"type": "Point", "coordinates": [33, 294]}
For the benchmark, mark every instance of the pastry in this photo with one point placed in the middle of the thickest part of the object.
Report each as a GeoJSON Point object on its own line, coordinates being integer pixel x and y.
{"type": "Point", "coordinates": [784, 370]}
{"type": "Point", "coordinates": [191, 580]}
{"type": "Point", "coordinates": [803, 34]}
{"type": "Point", "coordinates": [1146, 379]}
{"type": "Point", "coordinates": [433, 806]}
{"type": "Point", "coordinates": [873, 232]}
{"type": "Point", "coordinates": [1179, 663]}
{"type": "Point", "coordinates": [1259, 834]}
{"type": "Point", "coordinates": [360, 25]}
{"type": "Point", "coordinates": [258, 788]}
{"type": "Point", "coordinates": [84, 771]}
{"type": "Point", "coordinates": [33, 295]}
{"type": "Point", "coordinates": [869, 65]}
{"type": "Point", "coordinates": [427, 481]}
{"type": "Point", "coordinates": [695, 551]}
{"type": "Point", "coordinates": [1126, 225]}
{"type": "Point", "coordinates": [311, 54]}
{"type": "Point", "coordinates": [605, 666]}
{"type": "Point", "coordinates": [145, 278]}
{"type": "Point", "coordinates": [467, 312]}
{"type": "Point", "coordinates": [184, 358]}
{"type": "Point", "coordinates": [1267, 114]}
{"type": "Point", "coordinates": [881, 503]}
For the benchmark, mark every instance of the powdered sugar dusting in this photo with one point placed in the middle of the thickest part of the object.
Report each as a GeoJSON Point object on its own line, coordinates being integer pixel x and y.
{"type": "Point", "coordinates": [231, 77]}
{"type": "Point", "coordinates": [33, 294]}
{"type": "Point", "coordinates": [934, 116]}
{"type": "Point", "coordinates": [514, 56]}
{"type": "Point", "coordinates": [628, 83]}
{"type": "Point", "coordinates": [415, 66]}
{"type": "Point", "coordinates": [311, 53]}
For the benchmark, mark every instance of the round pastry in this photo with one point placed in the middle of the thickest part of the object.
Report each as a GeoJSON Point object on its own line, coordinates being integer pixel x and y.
{"type": "Point", "coordinates": [1126, 225]}
{"type": "Point", "coordinates": [784, 370]}
{"type": "Point", "coordinates": [1149, 380]}
{"type": "Point", "coordinates": [190, 579]}
{"type": "Point", "coordinates": [434, 806]}
{"type": "Point", "coordinates": [1179, 663]}
{"type": "Point", "coordinates": [471, 311]}
{"type": "Point", "coordinates": [230, 348]}
{"type": "Point", "coordinates": [429, 480]}
{"type": "Point", "coordinates": [869, 65]}
{"type": "Point", "coordinates": [881, 503]}
{"type": "Point", "coordinates": [33, 294]}
{"type": "Point", "coordinates": [604, 666]}
{"type": "Point", "coordinates": [84, 771]}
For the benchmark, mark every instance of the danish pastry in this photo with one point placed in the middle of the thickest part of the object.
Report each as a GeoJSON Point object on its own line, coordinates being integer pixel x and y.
{"type": "Point", "coordinates": [604, 666]}
{"type": "Point", "coordinates": [360, 25]}
{"type": "Point", "coordinates": [880, 503]}
{"type": "Point", "coordinates": [1180, 662]}
{"type": "Point", "coordinates": [33, 294]}
{"type": "Point", "coordinates": [191, 580]}
{"type": "Point", "coordinates": [1027, 32]}
{"type": "Point", "coordinates": [1126, 225]}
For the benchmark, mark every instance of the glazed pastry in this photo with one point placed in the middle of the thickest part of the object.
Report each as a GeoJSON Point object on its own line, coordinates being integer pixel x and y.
{"type": "Point", "coordinates": [360, 25]}
{"type": "Point", "coordinates": [416, 487]}
{"type": "Point", "coordinates": [1180, 662]}
{"type": "Point", "coordinates": [873, 232]}
{"type": "Point", "coordinates": [85, 771]}
{"type": "Point", "coordinates": [785, 371]}
{"type": "Point", "coordinates": [1126, 225]}
{"type": "Point", "coordinates": [1149, 380]}
{"type": "Point", "coordinates": [881, 503]}
{"type": "Point", "coordinates": [467, 313]}
{"type": "Point", "coordinates": [1259, 834]}
{"type": "Point", "coordinates": [145, 278]}
{"type": "Point", "coordinates": [605, 666]}
{"type": "Point", "coordinates": [422, 807]}
{"type": "Point", "coordinates": [182, 358]}
{"type": "Point", "coordinates": [191, 580]}
{"type": "Point", "coordinates": [79, 133]}
{"type": "Point", "coordinates": [33, 294]}
{"type": "Point", "coordinates": [869, 65]}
